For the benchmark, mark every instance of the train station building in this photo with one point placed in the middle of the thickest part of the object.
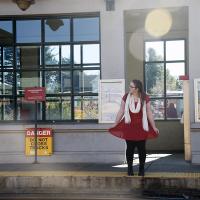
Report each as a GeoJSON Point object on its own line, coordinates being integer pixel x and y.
{"type": "Point", "coordinates": [69, 46]}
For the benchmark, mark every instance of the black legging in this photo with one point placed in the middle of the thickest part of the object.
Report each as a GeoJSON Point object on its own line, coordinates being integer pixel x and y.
{"type": "Point", "coordinates": [141, 146]}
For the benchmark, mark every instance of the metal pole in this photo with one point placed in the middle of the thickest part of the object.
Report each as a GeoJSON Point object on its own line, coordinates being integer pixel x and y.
{"type": "Point", "coordinates": [36, 133]}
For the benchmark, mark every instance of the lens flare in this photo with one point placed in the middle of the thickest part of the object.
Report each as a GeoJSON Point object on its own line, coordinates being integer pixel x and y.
{"type": "Point", "coordinates": [136, 44]}
{"type": "Point", "coordinates": [158, 22]}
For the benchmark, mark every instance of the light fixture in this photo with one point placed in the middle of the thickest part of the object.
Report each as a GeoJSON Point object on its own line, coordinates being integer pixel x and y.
{"type": "Point", "coordinates": [110, 5]}
{"type": "Point", "coordinates": [24, 4]}
{"type": "Point", "coordinates": [54, 24]}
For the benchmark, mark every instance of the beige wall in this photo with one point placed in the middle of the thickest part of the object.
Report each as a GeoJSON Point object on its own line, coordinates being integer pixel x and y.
{"type": "Point", "coordinates": [135, 35]}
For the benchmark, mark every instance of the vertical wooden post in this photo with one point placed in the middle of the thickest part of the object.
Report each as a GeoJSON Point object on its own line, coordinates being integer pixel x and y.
{"type": "Point", "coordinates": [186, 118]}
{"type": "Point", "coordinates": [186, 103]}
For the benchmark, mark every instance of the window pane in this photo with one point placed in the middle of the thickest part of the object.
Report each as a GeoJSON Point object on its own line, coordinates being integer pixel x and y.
{"type": "Point", "coordinates": [28, 31]}
{"type": "Point", "coordinates": [175, 50]}
{"type": "Point", "coordinates": [154, 51]}
{"type": "Point", "coordinates": [28, 79]}
{"type": "Point", "coordinates": [86, 29]}
{"type": "Point", "coordinates": [173, 71]}
{"type": "Point", "coordinates": [52, 82]}
{"type": "Point", "coordinates": [57, 30]}
{"type": "Point", "coordinates": [28, 57]}
{"type": "Point", "coordinates": [86, 81]}
{"type": "Point", "coordinates": [91, 53]}
{"type": "Point", "coordinates": [66, 108]}
{"type": "Point", "coordinates": [6, 109]}
{"type": "Point", "coordinates": [86, 107]}
{"type": "Point", "coordinates": [6, 33]}
{"type": "Point", "coordinates": [58, 108]}
{"type": "Point", "coordinates": [51, 55]}
{"type": "Point", "coordinates": [154, 74]}
{"type": "Point", "coordinates": [77, 54]}
{"type": "Point", "coordinates": [66, 81]}
{"type": "Point", "coordinates": [8, 56]}
{"type": "Point", "coordinates": [174, 108]}
{"type": "Point", "coordinates": [157, 107]}
{"type": "Point", "coordinates": [65, 54]}
{"type": "Point", "coordinates": [26, 110]}
{"type": "Point", "coordinates": [53, 108]}
{"type": "Point", "coordinates": [6, 82]}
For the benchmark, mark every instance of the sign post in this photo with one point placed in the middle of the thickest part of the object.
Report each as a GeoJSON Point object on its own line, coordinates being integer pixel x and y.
{"type": "Point", "coordinates": [35, 94]}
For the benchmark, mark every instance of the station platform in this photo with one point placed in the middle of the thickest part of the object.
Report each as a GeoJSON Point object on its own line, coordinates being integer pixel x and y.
{"type": "Point", "coordinates": [163, 172]}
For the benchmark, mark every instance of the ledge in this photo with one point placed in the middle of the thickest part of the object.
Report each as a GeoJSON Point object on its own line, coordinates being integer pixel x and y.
{"type": "Point", "coordinates": [195, 126]}
{"type": "Point", "coordinates": [58, 128]}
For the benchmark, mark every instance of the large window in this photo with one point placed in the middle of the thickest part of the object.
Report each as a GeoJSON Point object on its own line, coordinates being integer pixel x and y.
{"type": "Point", "coordinates": [61, 54]}
{"type": "Point", "coordinates": [164, 62]}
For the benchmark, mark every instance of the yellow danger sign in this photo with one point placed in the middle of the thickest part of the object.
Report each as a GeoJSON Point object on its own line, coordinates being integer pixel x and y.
{"type": "Point", "coordinates": [44, 142]}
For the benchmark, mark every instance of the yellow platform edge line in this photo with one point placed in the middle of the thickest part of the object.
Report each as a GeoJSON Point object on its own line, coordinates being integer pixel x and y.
{"type": "Point", "coordinates": [99, 174]}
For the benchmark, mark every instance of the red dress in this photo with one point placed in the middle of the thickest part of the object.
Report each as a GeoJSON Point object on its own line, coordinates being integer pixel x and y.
{"type": "Point", "coordinates": [133, 131]}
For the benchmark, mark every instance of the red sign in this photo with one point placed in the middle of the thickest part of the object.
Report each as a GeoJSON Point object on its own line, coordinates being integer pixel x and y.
{"type": "Point", "coordinates": [41, 132]}
{"type": "Point", "coordinates": [184, 77]}
{"type": "Point", "coordinates": [35, 94]}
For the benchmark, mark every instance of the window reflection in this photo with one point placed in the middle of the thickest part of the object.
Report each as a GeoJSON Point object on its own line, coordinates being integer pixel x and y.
{"type": "Point", "coordinates": [77, 54]}
{"type": "Point", "coordinates": [46, 48]}
{"type": "Point", "coordinates": [7, 109]}
{"type": "Point", "coordinates": [65, 54]}
{"type": "Point", "coordinates": [53, 107]}
{"type": "Point", "coordinates": [158, 108]}
{"type": "Point", "coordinates": [86, 81]}
{"type": "Point", "coordinates": [26, 110]}
{"type": "Point", "coordinates": [165, 62]}
{"type": "Point", "coordinates": [28, 57]}
{"type": "Point", "coordinates": [91, 53]}
{"type": "Point", "coordinates": [86, 107]}
{"type": "Point", "coordinates": [86, 29]}
{"type": "Point", "coordinates": [154, 74]}
{"type": "Point", "coordinates": [154, 51]}
{"type": "Point", "coordinates": [174, 85]}
{"type": "Point", "coordinates": [175, 50]}
{"type": "Point", "coordinates": [28, 79]}
{"type": "Point", "coordinates": [6, 83]}
{"type": "Point", "coordinates": [57, 30]}
{"type": "Point", "coordinates": [28, 31]}
{"type": "Point", "coordinates": [52, 82]}
{"type": "Point", "coordinates": [66, 81]}
{"type": "Point", "coordinates": [174, 108]}
{"type": "Point", "coordinates": [66, 108]}
{"type": "Point", "coordinates": [51, 55]}
{"type": "Point", "coordinates": [7, 56]}
{"type": "Point", "coordinates": [58, 108]}
{"type": "Point", "coordinates": [6, 33]}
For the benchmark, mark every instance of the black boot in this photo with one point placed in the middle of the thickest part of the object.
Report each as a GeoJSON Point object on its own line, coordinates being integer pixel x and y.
{"type": "Point", "coordinates": [141, 170]}
{"type": "Point", "coordinates": [130, 168]}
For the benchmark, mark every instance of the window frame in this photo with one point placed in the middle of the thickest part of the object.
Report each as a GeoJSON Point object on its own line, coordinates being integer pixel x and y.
{"type": "Point", "coordinates": [71, 67]}
{"type": "Point", "coordinates": [164, 62]}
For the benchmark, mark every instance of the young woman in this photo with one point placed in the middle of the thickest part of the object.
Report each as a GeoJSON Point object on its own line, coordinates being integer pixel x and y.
{"type": "Point", "coordinates": [135, 124]}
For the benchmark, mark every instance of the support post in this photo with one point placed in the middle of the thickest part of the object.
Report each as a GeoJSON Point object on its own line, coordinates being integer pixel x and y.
{"type": "Point", "coordinates": [35, 161]}
{"type": "Point", "coordinates": [186, 120]}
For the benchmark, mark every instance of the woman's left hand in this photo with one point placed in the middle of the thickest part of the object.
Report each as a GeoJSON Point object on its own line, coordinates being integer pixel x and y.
{"type": "Point", "coordinates": [156, 130]}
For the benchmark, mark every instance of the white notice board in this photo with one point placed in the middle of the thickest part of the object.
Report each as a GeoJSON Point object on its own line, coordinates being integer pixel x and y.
{"type": "Point", "coordinates": [111, 92]}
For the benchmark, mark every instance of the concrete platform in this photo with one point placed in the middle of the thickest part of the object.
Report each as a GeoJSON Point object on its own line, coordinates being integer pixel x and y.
{"type": "Point", "coordinates": [163, 171]}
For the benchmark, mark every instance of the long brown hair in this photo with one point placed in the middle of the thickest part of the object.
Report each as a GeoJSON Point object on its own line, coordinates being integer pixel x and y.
{"type": "Point", "coordinates": [138, 84]}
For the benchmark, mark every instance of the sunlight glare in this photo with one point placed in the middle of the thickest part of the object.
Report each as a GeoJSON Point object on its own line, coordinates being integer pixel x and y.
{"type": "Point", "coordinates": [150, 158]}
{"type": "Point", "coordinates": [158, 22]}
